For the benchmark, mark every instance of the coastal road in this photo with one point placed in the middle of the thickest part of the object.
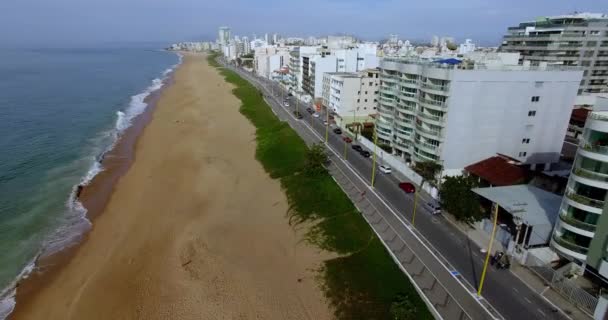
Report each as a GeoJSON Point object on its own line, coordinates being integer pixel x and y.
{"type": "Point", "coordinates": [505, 292]}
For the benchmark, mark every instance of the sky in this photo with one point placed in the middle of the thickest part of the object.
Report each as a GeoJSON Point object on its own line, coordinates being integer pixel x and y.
{"type": "Point", "coordinates": [48, 22]}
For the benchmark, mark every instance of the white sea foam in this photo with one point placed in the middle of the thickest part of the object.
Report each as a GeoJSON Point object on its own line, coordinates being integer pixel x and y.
{"type": "Point", "coordinates": [75, 223]}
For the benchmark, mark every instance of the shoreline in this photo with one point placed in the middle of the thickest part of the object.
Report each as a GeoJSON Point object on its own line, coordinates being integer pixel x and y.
{"type": "Point", "coordinates": [120, 239]}
{"type": "Point", "coordinates": [93, 196]}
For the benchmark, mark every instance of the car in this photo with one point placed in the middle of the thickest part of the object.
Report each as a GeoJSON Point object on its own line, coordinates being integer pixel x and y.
{"type": "Point", "coordinates": [347, 139]}
{"type": "Point", "coordinates": [434, 207]}
{"type": "Point", "coordinates": [286, 103]}
{"type": "Point", "coordinates": [298, 115]}
{"type": "Point", "coordinates": [316, 115]}
{"type": "Point", "coordinates": [338, 131]}
{"type": "Point", "coordinates": [325, 122]}
{"type": "Point", "coordinates": [365, 154]}
{"type": "Point", "coordinates": [356, 147]}
{"type": "Point", "coordinates": [309, 110]}
{"type": "Point", "coordinates": [407, 187]}
{"type": "Point", "coordinates": [385, 169]}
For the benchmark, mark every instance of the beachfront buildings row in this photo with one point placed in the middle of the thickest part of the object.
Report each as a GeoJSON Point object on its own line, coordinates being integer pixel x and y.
{"type": "Point", "coordinates": [458, 112]}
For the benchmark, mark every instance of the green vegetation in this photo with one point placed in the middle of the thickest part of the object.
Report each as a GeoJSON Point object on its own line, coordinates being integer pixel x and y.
{"type": "Point", "coordinates": [403, 308]}
{"type": "Point", "coordinates": [316, 158]}
{"type": "Point", "coordinates": [458, 199]}
{"type": "Point", "coordinates": [428, 170]}
{"type": "Point", "coordinates": [363, 281]}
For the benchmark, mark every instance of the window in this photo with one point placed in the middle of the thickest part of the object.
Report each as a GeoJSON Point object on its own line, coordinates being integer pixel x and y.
{"type": "Point", "coordinates": [371, 83]}
{"type": "Point", "coordinates": [365, 100]}
{"type": "Point", "coordinates": [358, 100]}
{"type": "Point", "coordinates": [376, 92]}
{"type": "Point", "coordinates": [532, 113]}
{"type": "Point", "coordinates": [522, 154]}
{"type": "Point", "coordinates": [365, 92]}
{"type": "Point", "coordinates": [582, 82]}
{"type": "Point", "coordinates": [535, 98]}
{"type": "Point", "coordinates": [586, 63]}
{"type": "Point", "coordinates": [525, 140]}
{"type": "Point", "coordinates": [591, 43]}
{"type": "Point", "coordinates": [374, 108]}
{"type": "Point", "coordinates": [538, 84]}
{"type": "Point", "coordinates": [585, 73]}
{"type": "Point", "coordinates": [588, 54]}
{"type": "Point", "coordinates": [359, 92]}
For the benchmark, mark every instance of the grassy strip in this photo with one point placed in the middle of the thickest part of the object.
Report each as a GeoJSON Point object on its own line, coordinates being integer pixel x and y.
{"type": "Point", "coordinates": [363, 282]}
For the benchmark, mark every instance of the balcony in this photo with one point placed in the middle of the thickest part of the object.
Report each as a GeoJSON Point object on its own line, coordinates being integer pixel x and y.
{"type": "Point", "coordinates": [435, 134]}
{"type": "Point", "coordinates": [387, 91]}
{"type": "Point", "coordinates": [430, 148]}
{"type": "Point", "coordinates": [572, 195]}
{"type": "Point", "coordinates": [427, 116]}
{"type": "Point", "coordinates": [407, 96]}
{"type": "Point", "coordinates": [576, 223]}
{"type": "Point", "coordinates": [433, 104]}
{"type": "Point", "coordinates": [591, 175]}
{"type": "Point", "coordinates": [567, 244]}
{"type": "Point", "coordinates": [441, 88]}
{"type": "Point", "coordinates": [387, 101]}
{"type": "Point", "coordinates": [421, 157]}
{"type": "Point", "coordinates": [585, 145]}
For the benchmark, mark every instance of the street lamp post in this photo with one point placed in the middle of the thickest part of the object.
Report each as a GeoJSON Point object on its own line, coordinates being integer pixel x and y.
{"type": "Point", "coordinates": [485, 265]}
{"type": "Point", "coordinates": [374, 161]}
{"type": "Point", "coordinates": [415, 205]}
{"type": "Point", "coordinates": [326, 125]}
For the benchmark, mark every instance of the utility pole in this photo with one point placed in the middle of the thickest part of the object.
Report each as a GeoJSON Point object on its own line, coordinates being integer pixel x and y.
{"type": "Point", "coordinates": [326, 125]}
{"type": "Point", "coordinates": [374, 161]}
{"type": "Point", "coordinates": [485, 265]}
{"type": "Point", "coordinates": [415, 204]}
{"type": "Point", "coordinates": [345, 149]}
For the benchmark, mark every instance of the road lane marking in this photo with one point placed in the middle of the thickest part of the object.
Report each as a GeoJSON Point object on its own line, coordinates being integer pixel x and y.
{"type": "Point", "coordinates": [515, 289]}
{"type": "Point", "coordinates": [541, 312]}
{"type": "Point", "coordinates": [527, 300]}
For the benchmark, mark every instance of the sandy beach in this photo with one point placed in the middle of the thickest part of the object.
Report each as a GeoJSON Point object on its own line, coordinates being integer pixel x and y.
{"type": "Point", "coordinates": [196, 229]}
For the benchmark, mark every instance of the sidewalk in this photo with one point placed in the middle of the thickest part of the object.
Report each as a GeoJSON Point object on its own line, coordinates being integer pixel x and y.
{"type": "Point", "coordinates": [533, 281]}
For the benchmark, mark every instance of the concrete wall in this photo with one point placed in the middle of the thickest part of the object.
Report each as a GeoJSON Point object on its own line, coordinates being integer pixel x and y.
{"type": "Point", "coordinates": [488, 114]}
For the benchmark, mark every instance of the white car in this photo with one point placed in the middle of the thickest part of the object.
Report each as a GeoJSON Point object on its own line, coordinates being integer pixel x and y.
{"type": "Point", "coordinates": [316, 115]}
{"type": "Point", "coordinates": [286, 104]}
{"type": "Point", "coordinates": [385, 169]}
{"type": "Point", "coordinates": [434, 207]}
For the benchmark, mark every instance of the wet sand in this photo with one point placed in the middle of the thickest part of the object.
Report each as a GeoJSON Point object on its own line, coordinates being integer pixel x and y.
{"type": "Point", "coordinates": [194, 230]}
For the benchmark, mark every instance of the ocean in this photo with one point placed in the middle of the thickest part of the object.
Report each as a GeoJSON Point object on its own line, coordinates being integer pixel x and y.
{"type": "Point", "coordinates": [60, 111]}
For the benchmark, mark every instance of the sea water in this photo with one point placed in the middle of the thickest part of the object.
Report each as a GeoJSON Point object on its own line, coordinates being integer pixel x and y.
{"type": "Point", "coordinates": [60, 110]}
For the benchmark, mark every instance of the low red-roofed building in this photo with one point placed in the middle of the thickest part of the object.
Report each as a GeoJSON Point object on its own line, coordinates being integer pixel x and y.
{"type": "Point", "coordinates": [498, 171]}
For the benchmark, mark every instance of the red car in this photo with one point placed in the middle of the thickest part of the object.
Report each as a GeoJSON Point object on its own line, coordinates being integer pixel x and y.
{"type": "Point", "coordinates": [407, 187]}
{"type": "Point", "coordinates": [347, 139]}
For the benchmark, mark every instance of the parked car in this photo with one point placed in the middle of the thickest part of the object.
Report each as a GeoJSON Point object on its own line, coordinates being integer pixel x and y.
{"type": "Point", "coordinates": [365, 153]}
{"type": "Point", "coordinates": [434, 207]}
{"type": "Point", "coordinates": [316, 115]}
{"type": "Point", "coordinates": [338, 131]}
{"type": "Point", "coordinates": [385, 169]}
{"type": "Point", "coordinates": [309, 110]}
{"type": "Point", "coordinates": [286, 103]}
{"type": "Point", "coordinates": [356, 147]}
{"type": "Point", "coordinates": [298, 115]}
{"type": "Point", "coordinates": [407, 187]}
{"type": "Point", "coordinates": [347, 139]}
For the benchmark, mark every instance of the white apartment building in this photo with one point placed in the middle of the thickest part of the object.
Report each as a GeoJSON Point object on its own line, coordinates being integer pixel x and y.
{"type": "Point", "coordinates": [351, 95]}
{"type": "Point", "coordinates": [310, 63]}
{"type": "Point", "coordinates": [270, 59]}
{"type": "Point", "coordinates": [461, 112]}
{"type": "Point", "coordinates": [224, 36]}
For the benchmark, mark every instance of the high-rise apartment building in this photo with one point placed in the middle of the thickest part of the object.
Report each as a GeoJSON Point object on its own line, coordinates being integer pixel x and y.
{"type": "Point", "coordinates": [461, 112]}
{"type": "Point", "coordinates": [224, 36]}
{"type": "Point", "coordinates": [581, 232]}
{"type": "Point", "coordinates": [579, 39]}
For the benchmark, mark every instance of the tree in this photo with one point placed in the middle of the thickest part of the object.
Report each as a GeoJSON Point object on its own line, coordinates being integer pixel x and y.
{"type": "Point", "coordinates": [458, 199]}
{"type": "Point", "coordinates": [316, 157]}
{"type": "Point", "coordinates": [403, 308]}
{"type": "Point", "coordinates": [428, 170]}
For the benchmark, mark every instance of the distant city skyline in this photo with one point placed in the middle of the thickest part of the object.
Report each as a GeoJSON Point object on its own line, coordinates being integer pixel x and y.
{"type": "Point", "coordinates": [73, 21]}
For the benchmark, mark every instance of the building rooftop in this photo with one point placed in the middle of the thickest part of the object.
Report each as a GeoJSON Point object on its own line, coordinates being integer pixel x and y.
{"type": "Point", "coordinates": [532, 205]}
{"type": "Point", "coordinates": [498, 171]}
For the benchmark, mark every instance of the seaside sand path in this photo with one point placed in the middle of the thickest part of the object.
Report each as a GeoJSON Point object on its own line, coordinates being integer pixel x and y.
{"type": "Point", "coordinates": [196, 229]}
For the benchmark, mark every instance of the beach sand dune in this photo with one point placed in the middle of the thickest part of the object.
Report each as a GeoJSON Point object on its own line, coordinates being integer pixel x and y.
{"type": "Point", "coordinates": [194, 230]}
